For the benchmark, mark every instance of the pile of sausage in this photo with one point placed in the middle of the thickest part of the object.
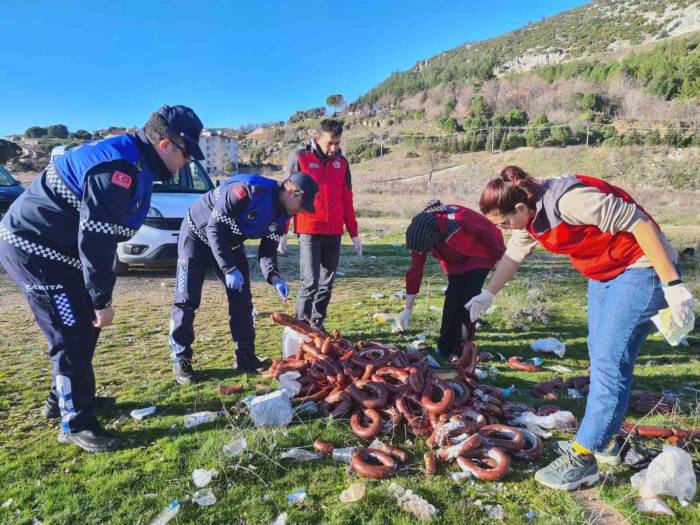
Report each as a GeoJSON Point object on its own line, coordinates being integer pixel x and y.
{"type": "Point", "coordinates": [647, 400]}
{"type": "Point", "coordinates": [380, 387]}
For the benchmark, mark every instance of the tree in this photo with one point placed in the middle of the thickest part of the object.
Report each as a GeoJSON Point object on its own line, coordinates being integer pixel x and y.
{"type": "Point", "coordinates": [8, 150]}
{"type": "Point", "coordinates": [257, 156]}
{"type": "Point", "coordinates": [228, 167]}
{"type": "Point", "coordinates": [35, 132]}
{"type": "Point", "coordinates": [561, 134]}
{"type": "Point", "coordinates": [336, 101]}
{"type": "Point", "coordinates": [433, 155]}
{"type": "Point", "coordinates": [82, 134]}
{"type": "Point", "coordinates": [479, 107]}
{"type": "Point", "coordinates": [57, 131]}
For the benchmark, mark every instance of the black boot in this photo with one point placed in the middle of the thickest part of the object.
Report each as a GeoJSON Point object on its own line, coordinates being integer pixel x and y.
{"type": "Point", "coordinates": [184, 374]}
{"type": "Point", "coordinates": [251, 364]}
{"type": "Point", "coordinates": [92, 438]}
{"type": "Point", "coordinates": [50, 409]}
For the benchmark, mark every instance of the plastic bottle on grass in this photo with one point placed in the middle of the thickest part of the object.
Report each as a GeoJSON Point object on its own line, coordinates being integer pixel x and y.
{"type": "Point", "coordinates": [168, 513]}
{"type": "Point", "coordinates": [204, 497]}
{"type": "Point", "coordinates": [299, 454]}
{"type": "Point", "coordinates": [343, 455]}
{"type": "Point", "coordinates": [235, 447]}
{"type": "Point", "coordinates": [200, 418]}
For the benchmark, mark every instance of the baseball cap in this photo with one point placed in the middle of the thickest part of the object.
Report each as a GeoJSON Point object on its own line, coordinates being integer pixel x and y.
{"type": "Point", "coordinates": [185, 122]}
{"type": "Point", "coordinates": [308, 187]}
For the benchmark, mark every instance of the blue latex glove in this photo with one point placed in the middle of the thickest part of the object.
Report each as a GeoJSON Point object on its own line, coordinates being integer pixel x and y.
{"type": "Point", "coordinates": [234, 280]}
{"type": "Point", "coordinates": [282, 288]}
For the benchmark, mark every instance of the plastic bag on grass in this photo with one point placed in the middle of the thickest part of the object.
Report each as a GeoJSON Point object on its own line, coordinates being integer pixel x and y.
{"type": "Point", "coordinates": [670, 473]}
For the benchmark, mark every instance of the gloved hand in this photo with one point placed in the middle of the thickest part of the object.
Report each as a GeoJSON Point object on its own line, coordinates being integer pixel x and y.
{"type": "Point", "coordinates": [282, 245]}
{"type": "Point", "coordinates": [234, 280]}
{"type": "Point", "coordinates": [357, 244]}
{"type": "Point", "coordinates": [404, 320]}
{"type": "Point", "coordinates": [282, 288]}
{"type": "Point", "coordinates": [478, 304]}
{"type": "Point", "coordinates": [681, 302]}
{"type": "Point", "coordinates": [103, 317]}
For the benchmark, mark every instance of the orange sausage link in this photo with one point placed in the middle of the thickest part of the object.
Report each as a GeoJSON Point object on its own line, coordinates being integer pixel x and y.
{"type": "Point", "coordinates": [518, 363]}
{"type": "Point", "coordinates": [323, 447]}
{"type": "Point", "coordinates": [429, 460]}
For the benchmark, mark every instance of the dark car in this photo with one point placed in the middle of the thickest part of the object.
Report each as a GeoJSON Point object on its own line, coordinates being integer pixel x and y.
{"type": "Point", "coordinates": [10, 189]}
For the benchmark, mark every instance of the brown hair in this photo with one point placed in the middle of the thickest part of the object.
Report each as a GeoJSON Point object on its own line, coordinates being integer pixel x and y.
{"type": "Point", "coordinates": [513, 186]}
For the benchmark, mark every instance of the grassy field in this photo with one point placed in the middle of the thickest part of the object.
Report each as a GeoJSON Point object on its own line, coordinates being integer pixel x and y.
{"type": "Point", "coordinates": [42, 480]}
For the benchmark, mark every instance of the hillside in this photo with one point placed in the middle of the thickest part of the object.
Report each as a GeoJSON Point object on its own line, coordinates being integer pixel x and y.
{"type": "Point", "coordinates": [603, 28]}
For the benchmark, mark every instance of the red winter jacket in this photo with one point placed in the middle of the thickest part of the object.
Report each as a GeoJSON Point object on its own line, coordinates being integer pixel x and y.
{"type": "Point", "coordinates": [596, 254]}
{"type": "Point", "coordinates": [334, 201]}
{"type": "Point", "coordinates": [468, 241]}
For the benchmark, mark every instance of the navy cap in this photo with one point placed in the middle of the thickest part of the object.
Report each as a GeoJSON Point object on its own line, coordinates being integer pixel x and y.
{"type": "Point", "coordinates": [185, 123]}
{"type": "Point", "coordinates": [308, 188]}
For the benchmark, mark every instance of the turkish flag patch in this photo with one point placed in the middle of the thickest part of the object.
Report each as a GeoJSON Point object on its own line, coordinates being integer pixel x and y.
{"type": "Point", "coordinates": [121, 179]}
{"type": "Point", "coordinates": [239, 191]}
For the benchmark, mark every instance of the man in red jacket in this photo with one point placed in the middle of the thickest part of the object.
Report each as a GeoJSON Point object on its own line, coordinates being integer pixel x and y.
{"type": "Point", "coordinates": [467, 245]}
{"type": "Point", "coordinates": [320, 232]}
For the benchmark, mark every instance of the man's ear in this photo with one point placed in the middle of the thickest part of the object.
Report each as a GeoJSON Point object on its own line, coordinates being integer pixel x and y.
{"type": "Point", "coordinates": [521, 207]}
{"type": "Point", "coordinates": [163, 143]}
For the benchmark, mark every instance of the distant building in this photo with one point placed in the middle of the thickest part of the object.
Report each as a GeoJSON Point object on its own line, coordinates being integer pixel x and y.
{"type": "Point", "coordinates": [220, 153]}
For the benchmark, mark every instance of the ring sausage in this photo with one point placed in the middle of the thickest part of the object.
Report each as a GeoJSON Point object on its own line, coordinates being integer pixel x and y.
{"type": "Point", "coordinates": [533, 446]}
{"type": "Point", "coordinates": [502, 436]}
{"type": "Point", "coordinates": [489, 471]}
{"type": "Point", "coordinates": [364, 462]}
{"type": "Point", "coordinates": [362, 431]}
{"type": "Point", "coordinates": [378, 398]}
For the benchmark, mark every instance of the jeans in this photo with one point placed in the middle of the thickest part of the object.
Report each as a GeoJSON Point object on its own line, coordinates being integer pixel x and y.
{"type": "Point", "coordinates": [619, 313]}
{"type": "Point", "coordinates": [460, 289]}
{"type": "Point", "coordinates": [318, 261]}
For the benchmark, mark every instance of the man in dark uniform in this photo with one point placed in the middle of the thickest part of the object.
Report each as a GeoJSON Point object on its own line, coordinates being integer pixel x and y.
{"type": "Point", "coordinates": [217, 224]}
{"type": "Point", "coordinates": [58, 241]}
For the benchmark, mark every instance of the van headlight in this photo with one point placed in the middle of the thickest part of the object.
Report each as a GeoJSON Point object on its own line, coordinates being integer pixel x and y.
{"type": "Point", "coordinates": [154, 212]}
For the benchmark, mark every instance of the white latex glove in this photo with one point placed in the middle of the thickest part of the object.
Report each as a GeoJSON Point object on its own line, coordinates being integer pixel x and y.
{"type": "Point", "coordinates": [404, 320]}
{"type": "Point", "coordinates": [680, 302]}
{"type": "Point", "coordinates": [282, 245]}
{"type": "Point", "coordinates": [479, 304]}
{"type": "Point", "coordinates": [357, 244]}
{"type": "Point", "coordinates": [103, 317]}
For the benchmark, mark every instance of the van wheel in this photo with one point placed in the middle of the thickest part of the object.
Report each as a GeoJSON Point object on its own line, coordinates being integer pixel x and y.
{"type": "Point", "coordinates": [119, 267]}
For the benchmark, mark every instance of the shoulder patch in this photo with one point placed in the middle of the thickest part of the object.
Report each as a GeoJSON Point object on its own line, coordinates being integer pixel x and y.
{"type": "Point", "coordinates": [121, 179]}
{"type": "Point", "coordinates": [240, 192]}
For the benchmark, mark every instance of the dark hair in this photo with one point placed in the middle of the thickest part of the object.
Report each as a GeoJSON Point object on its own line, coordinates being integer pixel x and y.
{"type": "Point", "coordinates": [512, 187]}
{"type": "Point", "coordinates": [332, 126]}
{"type": "Point", "coordinates": [157, 128]}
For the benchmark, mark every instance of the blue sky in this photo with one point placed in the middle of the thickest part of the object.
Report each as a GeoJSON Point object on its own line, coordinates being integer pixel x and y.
{"type": "Point", "coordinates": [95, 64]}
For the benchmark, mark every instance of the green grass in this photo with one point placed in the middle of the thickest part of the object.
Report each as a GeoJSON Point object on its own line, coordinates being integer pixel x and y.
{"type": "Point", "coordinates": [60, 484]}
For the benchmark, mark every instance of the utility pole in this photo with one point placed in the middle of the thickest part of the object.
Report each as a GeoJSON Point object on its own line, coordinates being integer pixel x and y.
{"type": "Point", "coordinates": [588, 129]}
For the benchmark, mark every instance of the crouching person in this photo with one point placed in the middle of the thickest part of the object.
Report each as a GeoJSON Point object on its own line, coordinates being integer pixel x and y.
{"type": "Point", "coordinates": [212, 235]}
{"type": "Point", "coordinates": [632, 273]}
{"type": "Point", "coordinates": [467, 245]}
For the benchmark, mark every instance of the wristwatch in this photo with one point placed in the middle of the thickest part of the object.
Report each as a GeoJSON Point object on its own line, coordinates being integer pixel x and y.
{"type": "Point", "coordinates": [674, 282]}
